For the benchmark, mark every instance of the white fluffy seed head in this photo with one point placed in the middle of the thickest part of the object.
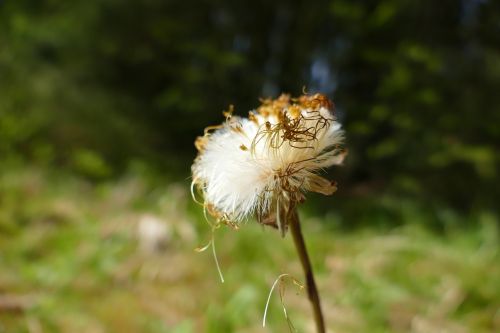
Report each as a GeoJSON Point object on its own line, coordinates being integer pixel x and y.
{"type": "Point", "coordinates": [264, 164]}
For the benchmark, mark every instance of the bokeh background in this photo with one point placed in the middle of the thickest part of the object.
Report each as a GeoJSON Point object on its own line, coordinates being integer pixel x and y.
{"type": "Point", "coordinates": [100, 102]}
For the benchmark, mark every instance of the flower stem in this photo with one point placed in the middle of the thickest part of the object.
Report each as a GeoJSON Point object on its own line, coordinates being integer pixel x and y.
{"type": "Point", "coordinates": [312, 291]}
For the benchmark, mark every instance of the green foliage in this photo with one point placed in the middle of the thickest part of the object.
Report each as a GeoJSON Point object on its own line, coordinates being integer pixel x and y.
{"type": "Point", "coordinates": [90, 164]}
{"type": "Point", "coordinates": [415, 84]}
{"type": "Point", "coordinates": [97, 96]}
{"type": "Point", "coordinates": [73, 259]}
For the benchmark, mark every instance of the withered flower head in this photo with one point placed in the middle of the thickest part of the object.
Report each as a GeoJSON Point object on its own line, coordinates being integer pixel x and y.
{"type": "Point", "coordinates": [265, 163]}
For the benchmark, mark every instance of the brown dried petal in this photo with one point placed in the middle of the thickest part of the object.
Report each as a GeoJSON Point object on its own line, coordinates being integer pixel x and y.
{"type": "Point", "coordinates": [321, 185]}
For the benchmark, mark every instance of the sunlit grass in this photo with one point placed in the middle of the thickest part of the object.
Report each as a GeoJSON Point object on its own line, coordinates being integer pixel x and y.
{"type": "Point", "coordinates": [73, 258]}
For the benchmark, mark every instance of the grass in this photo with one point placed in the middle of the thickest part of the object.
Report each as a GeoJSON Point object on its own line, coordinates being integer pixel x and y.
{"type": "Point", "coordinates": [118, 257]}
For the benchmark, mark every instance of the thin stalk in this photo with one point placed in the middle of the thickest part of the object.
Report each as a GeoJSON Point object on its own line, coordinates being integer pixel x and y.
{"type": "Point", "coordinates": [312, 291]}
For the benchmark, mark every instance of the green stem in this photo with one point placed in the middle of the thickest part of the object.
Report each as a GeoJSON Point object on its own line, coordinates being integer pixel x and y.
{"type": "Point", "coordinates": [312, 291]}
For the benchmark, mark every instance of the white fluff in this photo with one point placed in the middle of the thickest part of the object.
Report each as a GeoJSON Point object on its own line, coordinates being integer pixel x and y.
{"type": "Point", "coordinates": [249, 166]}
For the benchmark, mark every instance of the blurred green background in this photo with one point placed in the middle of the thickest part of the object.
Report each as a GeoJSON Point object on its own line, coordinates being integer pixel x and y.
{"type": "Point", "coordinates": [100, 102]}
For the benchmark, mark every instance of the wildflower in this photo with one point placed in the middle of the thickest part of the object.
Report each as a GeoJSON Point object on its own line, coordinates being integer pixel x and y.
{"type": "Point", "coordinates": [264, 164]}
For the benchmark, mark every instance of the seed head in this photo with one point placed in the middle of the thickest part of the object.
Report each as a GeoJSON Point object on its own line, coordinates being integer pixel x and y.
{"type": "Point", "coordinates": [264, 164]}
